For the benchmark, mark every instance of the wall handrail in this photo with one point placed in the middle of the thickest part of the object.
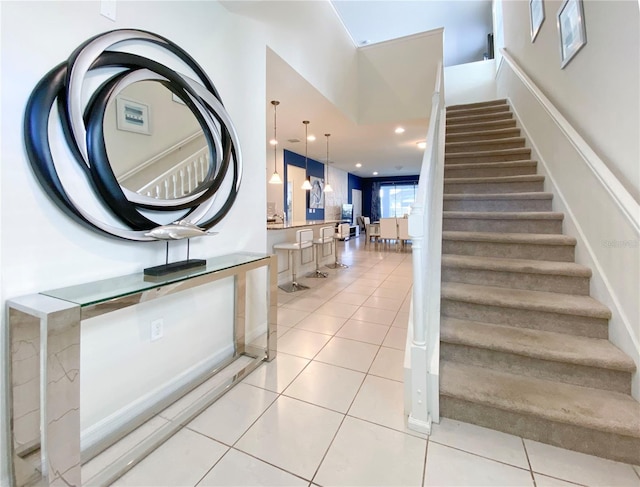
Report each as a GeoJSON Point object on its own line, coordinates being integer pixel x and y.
{"type": "Point", "coordinates": [621, 196]}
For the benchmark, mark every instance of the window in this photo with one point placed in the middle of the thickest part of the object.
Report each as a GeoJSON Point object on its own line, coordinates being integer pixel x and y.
{"type": "Point", "coordinates": [396, 199]}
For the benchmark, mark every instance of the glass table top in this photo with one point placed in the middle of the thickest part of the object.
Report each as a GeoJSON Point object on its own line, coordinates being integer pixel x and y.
{"type": "Point", "coordinates": [100, 291]}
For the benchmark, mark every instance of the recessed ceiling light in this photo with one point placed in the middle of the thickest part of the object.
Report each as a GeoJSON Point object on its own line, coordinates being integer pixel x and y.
{"type": "Point", "coordinates": [399, 130]}
{"type": "Point", "coordinates": [311, 138]}
{"type": "Point", "coordinates": [422, 145]}
{"type": "Point", "coordinates": [375, 173]}
{"type": "Point", "coordinates": [358, 165]}
{"type": "Point", "coordinates": [273, 142]}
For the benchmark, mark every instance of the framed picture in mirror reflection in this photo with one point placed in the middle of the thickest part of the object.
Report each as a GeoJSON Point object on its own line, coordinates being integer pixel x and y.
{"type": "Point", "coordinates": [132, 116]}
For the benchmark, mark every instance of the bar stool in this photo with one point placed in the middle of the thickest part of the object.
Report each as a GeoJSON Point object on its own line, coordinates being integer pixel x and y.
{"type": "Point", "coordinates": [304, 240]}
{"type": "Point", "coordinates": [342, 229]}
{"type": "Point", "coordinates": [326, 237]}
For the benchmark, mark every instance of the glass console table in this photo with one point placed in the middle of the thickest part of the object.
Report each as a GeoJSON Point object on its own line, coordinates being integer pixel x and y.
{"type": "Point", "coordinates": [44, 366]}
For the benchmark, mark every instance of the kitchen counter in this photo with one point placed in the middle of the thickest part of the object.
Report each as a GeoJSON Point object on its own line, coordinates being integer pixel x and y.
{"type": "Point", "coordinates": [300, 224]}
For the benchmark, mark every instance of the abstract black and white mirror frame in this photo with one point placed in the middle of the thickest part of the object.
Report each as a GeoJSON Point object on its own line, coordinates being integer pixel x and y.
{"type": "Point", "coordinates": [79, 176]}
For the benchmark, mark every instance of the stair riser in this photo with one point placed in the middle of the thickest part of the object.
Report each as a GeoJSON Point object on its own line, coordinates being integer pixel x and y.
{"type": "Point", "coordinates": [556, 253]}
{"type": "Point", "coordinates": [526, 318]}
{"type": "Point", "coordinates": [488, 172]}
{"type": "Point", "coordinates": [479, 157]}
{"type": "Point", "coordinates": [477, 127]}
{"type": "Point", "coordinates": [480, 146]}
{"type": "Point", "coordinates": [489, 117]}
{"type": "Point", "coordinates": [473, 137]}
{"type": "Point", "coordinates": [518, 280]}
{"type": "Point", "coordinates": [489, 188]}
{"type": "Point", "coordinates": [501, 226]}
{"type": "Point", "coordinates": [465, 112]}
{"type": "Point", "coordinates": [599, 378]}
{"type": "Point", "coordinates": [497, 205]}
{"type": "Point", "coordinates": [603, 444]}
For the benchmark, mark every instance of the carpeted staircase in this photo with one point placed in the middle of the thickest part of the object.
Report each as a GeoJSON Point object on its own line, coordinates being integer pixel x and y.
{"type": "Point", "coordinates": [524, 347]}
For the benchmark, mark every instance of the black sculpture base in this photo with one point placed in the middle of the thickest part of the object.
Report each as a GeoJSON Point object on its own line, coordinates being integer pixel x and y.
{"type": "Point", "coordinates": [174, 268]}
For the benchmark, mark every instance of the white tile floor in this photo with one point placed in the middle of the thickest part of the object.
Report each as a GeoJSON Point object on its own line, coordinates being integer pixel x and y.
{"type": "Point", "coordinates": [329, 409]}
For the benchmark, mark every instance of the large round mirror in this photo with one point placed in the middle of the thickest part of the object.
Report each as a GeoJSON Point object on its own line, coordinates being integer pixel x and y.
{"type": "Point", "coordinates": [155, 145]}
{"type": "Point", "coordinates": [146, 158]}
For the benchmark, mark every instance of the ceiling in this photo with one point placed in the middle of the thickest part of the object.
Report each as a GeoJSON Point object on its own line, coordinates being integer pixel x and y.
{"type": "Point", "coordinates": [372, 143]}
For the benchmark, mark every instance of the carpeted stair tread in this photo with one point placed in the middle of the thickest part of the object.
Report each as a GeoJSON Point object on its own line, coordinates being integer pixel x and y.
{"type": "Point", "coordinates": [464, 128]}
{"type": "Point", "coordinates": [465, 119]}
{"type": "Point", "coordinates": [547, 267]}
{"type": "Point", "coordinates": [566, 304]}
{"type": "Point", "coordinates": [478, 145]}
{"type": "Point", "coordinates": [504, 215]}
{"type": "Point", "coordinates": [496, 179]}
{"type": "Point", "coordinates": [480, 104]}
{"type": "Point", "coordinates": [491, 134]}
{"type": "Point", "coordinates": [486, 165]}
{"type": "Point", "coordinates": [477, 110]}
{"type": "Point", "coordinates": [538, 344]}
{"type": "Point", "coordinates": [586, 407]}
{"type": "Point", "coordinates": [524, 151]}
{"type": "Point", "coordinates": [517, 238]}
{"type": "Point", "coordinates": [499, 196]}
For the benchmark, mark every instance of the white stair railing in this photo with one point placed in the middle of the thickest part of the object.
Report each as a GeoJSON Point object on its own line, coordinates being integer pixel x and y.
{"type": "Point", "coordinates": [181, 179]}
{"type": "Point", "coordinates": [422, 361]}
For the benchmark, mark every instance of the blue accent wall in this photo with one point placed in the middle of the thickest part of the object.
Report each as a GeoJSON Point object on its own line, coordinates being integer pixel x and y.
{"type": "Point", "coordinates": [355, 182]}
{"type": "Point", "coordinates": [314, 168]}
{"type": "Point", "coordinates": [367, 184]}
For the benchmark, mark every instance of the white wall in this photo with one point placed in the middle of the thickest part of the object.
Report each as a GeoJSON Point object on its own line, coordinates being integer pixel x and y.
{"type": "Point", "coordinates": [470, 83]}
{"type": "Point", "coordinates": [608, 239]}
{"type": "Point", "coordinates": [392, 76]}
{"type": "Point", "coordinates": [40, 247]}
{"type": "Point", "coordinates": [599, 90]}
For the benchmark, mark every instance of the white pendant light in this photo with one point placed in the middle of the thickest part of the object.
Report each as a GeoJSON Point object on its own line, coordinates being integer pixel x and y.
{"type": "Point", "coordinates": [327, 187]}
{"type": "Point", "coordinates": [307, 183]}
{"type": "Point", "coordinates": [275, 177]}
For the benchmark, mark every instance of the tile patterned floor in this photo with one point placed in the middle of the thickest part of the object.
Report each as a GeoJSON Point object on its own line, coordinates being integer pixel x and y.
{"type": "Point", "coordinates": [329, 409]}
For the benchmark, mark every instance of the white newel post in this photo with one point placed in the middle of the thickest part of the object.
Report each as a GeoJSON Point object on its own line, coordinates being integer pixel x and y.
{"type": "Point", "coordinates": [425, 229]}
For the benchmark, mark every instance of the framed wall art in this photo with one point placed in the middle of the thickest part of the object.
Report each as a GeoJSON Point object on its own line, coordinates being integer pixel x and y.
{"type": "Point", "coordinates": [132, 116]}
{"type": "Point", "coordinates": [536, 16]}
{"type": "Point", "coordinates": [316, 194]}
{"type": "Point", "coordinates": [571, 30]}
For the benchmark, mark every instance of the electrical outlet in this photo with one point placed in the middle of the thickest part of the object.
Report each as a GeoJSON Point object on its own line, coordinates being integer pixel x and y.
{"type": "Point", "coordinates": [157, 329]}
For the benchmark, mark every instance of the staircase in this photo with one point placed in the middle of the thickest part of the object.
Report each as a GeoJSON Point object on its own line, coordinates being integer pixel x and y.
{"type": "Point", "coordinates": [524, 347]}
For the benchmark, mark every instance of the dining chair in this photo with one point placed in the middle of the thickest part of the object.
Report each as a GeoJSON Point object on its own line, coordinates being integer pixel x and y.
{"type": "Point", "coordinates": [388, 230]}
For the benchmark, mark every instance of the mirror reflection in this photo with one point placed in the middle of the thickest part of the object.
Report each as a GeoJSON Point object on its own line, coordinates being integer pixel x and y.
{"type": "Point", "coordinates": [155, 144]}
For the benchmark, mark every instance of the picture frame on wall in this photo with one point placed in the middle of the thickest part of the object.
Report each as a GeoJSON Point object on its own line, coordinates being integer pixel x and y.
{"type": "Point", "coordinates": [571, 30]}
{"type": "Point", "coordinates": [132, 116]}
{"type": "Point", "coordinates": [316, 194]}
{"type": "Point", "coordinates": [536, 17]}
